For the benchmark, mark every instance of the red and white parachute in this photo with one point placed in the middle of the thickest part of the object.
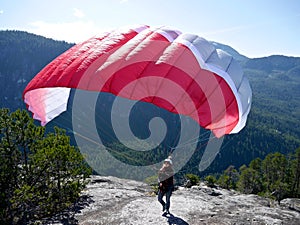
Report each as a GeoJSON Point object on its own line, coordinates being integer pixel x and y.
{"type": "Point", "coordinates": [182, 73]}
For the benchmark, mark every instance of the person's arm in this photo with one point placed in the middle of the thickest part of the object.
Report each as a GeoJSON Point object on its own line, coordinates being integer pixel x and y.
{"type": "Point", "coordinates": [159, 180]}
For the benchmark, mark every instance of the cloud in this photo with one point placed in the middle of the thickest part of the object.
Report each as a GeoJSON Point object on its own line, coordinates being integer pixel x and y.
{"type": "Point", "coordinates": [74, 32]}
{"type": "Point", "coordinates": [78, 13]}
{"type": "Point", "coordinates": [1, 11]}
{"type": "Point", "coordinates": [123, 1]}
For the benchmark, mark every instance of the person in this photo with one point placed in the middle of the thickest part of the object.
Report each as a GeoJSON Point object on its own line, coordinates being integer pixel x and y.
{"type": "Point", "coordinates": [166, 184]}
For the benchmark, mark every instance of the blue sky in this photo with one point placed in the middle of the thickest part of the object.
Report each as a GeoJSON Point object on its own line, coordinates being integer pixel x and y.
{"type": "Point", "coordinates": [255, 28]}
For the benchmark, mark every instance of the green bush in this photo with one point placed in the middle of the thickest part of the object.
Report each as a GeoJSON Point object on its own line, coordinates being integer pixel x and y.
{"type": "Point", "coordinates": [210, 180]}
{"type": "Point", "coordinates": [193, 179]}
{"type": "Point", "coordinates": [153, 182]}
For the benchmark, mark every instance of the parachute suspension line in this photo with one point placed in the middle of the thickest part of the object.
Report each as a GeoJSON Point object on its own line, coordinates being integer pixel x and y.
{"type": "Point", "coordinates": [86, 131]}
{"type": "Point", "coordinates": [110, 149]}
{"type": "Point", "coordinates": [105, 123]}
{"type": "Point", "coordinates": [158, 110]}
{"type": "Point", "coordinates": [191, 141]}
{"type": "Point", "coordinates": [227, 143]}
{"type": "Point", "coordinates": [172, 148]}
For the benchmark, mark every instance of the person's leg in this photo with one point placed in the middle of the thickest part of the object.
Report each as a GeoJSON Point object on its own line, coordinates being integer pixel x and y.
{"type": "Point", "coordinates": [160, 199]}
{"type": "Point", "coordinates": [168, 199]}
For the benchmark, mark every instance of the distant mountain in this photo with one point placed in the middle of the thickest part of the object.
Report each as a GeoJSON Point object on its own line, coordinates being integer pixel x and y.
{"type": "Point", "coordinates": [274, 62]}
{"type": "Point", "coordinates": [273, 123]}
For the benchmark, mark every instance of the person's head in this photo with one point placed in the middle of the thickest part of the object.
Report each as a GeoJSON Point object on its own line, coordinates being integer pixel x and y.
{"type": "Point", "coordinates": [168, 162]}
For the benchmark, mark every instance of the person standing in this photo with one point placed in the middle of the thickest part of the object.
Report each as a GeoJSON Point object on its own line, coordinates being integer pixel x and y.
{"type": "Point", "coordinates": [166, 184]}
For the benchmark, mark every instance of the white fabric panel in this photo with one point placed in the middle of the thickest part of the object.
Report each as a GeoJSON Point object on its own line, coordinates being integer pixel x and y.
{"type": "Point", "coordinates": [246, 100]}
{"type": "Point", "coordinates": [139, 29]}
{"type": "Point", "coordinates": [47, 103]}
{"type": "Point", "coordinates": [170, 34]}
{"type": "Point", "coordinates": [56, 102]}
{"type": "Point", "coordinates": [220, 59]}
{"type": "Point", "coordinates": [222, 64]}
{"type": "Point", "coordinates": [200, 43]}
{"type": "Point", "coordinates": [236, 72]}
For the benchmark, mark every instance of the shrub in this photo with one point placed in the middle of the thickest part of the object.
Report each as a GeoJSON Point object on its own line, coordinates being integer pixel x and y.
{"type": "Point", "coordinates": [153, 182]}
{"type": "Point", "coordinates": [210, 180]}
{"type": "Point", "coordinates": [192, 179]}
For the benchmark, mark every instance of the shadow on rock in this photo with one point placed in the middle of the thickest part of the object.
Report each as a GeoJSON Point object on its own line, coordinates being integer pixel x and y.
{"type": "Point", "coordinates": [173, 220]}
{"type": "Point", "coordinates": [67, 217]}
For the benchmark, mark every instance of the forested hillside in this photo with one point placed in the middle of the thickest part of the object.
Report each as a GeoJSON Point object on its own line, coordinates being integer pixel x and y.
{"type": "Point", "coordinates": [22, 56]}
{"type": "Point", "coordinates": [273, 123]}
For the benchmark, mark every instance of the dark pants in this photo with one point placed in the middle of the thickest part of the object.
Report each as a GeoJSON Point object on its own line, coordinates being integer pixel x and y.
{"type": "Point", "coordinates": [167, 193]}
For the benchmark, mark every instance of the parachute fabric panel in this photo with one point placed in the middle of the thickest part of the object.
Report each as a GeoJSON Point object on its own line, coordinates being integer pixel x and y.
{"type": "Point", "coordinates": [181, 73]}
{"type": "Point", "coordinates": [47, 103]}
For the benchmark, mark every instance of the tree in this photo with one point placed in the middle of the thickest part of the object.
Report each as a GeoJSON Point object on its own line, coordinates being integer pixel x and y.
{"type": "Point", "coordinates": [295, 170]}
{"type": "Point", "coordinates": [229, 178]}
{"type": "Point", "coordinates": [257, 183]}
{"type": "Point", "coordinates": [17, 135]}
{"type": "Point", "coordinates": [275, 170]}
{"type": "Point", "coordinates": [41, 173]}
{"type": "Point", "coordinates": [224, 181]}
{"type": "Point", "coordinates": [250, 181]}
{"type": "Point", "coordinates": [245, 182]}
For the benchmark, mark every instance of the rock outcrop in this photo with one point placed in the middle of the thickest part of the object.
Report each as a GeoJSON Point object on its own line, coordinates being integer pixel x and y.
{"type": "Point", "coordinates": [110, 200]}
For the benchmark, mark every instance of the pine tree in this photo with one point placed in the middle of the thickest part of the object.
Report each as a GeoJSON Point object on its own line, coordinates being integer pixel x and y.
{"type": "Point", "coordinates": [40, 173]}
{"type": "Point", "coordinates": [295, 168]}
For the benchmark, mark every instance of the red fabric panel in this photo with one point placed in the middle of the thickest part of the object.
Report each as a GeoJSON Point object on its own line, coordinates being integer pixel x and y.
{"type": "Point", "coordinates": [149, 69]}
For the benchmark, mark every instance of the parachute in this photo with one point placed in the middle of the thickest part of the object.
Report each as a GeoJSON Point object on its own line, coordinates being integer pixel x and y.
{"type": "Point", "coordinates": [182, 73]}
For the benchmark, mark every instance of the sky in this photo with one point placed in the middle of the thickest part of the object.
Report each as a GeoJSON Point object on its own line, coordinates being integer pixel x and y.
{"type": "Point", "coordinates": [255, 28]}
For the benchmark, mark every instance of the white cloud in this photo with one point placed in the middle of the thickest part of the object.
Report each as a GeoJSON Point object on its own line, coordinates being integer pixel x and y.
{"type": "Point", "coordinates": [71, 32]}
{"type": "Point", "coordinates": [123, 1]}
{"type": "Point", "coordinates": [78, 13]}
{"type": "Point", "coordinates": [1, 11]}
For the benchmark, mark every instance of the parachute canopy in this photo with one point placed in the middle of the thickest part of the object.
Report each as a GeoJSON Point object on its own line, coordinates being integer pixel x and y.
{"type": "Point", "coordinates": [182, 73]}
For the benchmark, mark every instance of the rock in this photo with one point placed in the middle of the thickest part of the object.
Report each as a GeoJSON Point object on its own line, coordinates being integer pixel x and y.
{"type": "Point", "coordinates": [110, 200]}
{"type": "Point", "coordinates": [214, 193]}
{"type": "Point", "coordinates": [188, 184]}
{"type": "Point", "coordinates": [195, 187]}
{"type": "Point", "coordinates": [291, 203]}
